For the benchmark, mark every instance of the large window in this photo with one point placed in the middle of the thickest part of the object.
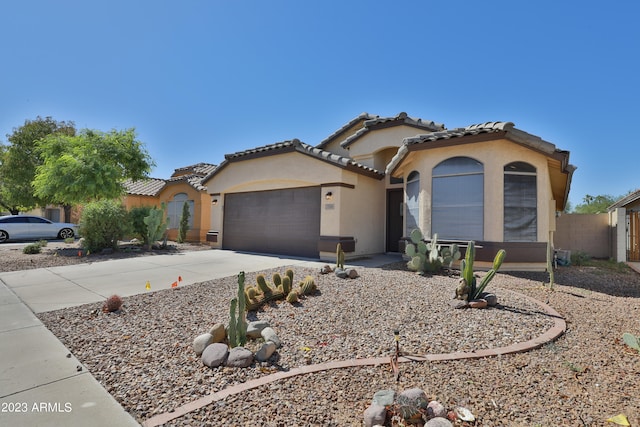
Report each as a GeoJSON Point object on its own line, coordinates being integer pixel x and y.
{"type": "Point", "coordinates": [412, 205]}
{"type": "Point", "coordinates": [458, 199]}
{"type": "Point", "coordinates": [520, 203]}
{"type": "Point", "coordinates": [174, 210]}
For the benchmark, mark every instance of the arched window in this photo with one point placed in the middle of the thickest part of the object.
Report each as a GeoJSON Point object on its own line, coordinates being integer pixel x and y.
{"type": "Point", "coordinates": [412, 195]}
{"type": "Point", "coordinates": [174, 210]}
{"type": "Point", "coordinates": [520, 203]}
{"type": "Point", "coordinates": [458, 199]}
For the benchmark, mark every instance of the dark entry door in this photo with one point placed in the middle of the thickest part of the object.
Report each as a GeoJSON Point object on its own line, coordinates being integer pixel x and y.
{"type": "Point", "coordinates": [394, 219]}
{"type": "Point", "coordinates": [633, 251]}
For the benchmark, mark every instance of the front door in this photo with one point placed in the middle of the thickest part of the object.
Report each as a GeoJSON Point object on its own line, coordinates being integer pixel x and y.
{"type": "Point", "coordinates": [394, 219]}
{"type": "Point", "coordinates": [633, 251]}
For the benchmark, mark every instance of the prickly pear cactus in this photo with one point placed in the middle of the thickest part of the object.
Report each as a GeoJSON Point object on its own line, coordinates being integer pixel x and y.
{"type": "Point", "coordinates": [631, 340]}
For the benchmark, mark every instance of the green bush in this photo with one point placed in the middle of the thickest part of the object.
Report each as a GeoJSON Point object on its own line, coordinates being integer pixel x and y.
{"type": "Point", "coordinates": [32, 248]}
{"type": "Point", "coordinates": [184, 223]}
{"type": "Point", "coordinates": [136, 219]}
{"type": "Point", "coordinates": [580, 258]}
{"type": "Point", "coordinates": [102, 224]}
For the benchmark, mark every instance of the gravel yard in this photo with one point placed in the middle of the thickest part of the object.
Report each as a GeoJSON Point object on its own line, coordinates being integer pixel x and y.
{"type": "Point", "coordinates": [143, 355]}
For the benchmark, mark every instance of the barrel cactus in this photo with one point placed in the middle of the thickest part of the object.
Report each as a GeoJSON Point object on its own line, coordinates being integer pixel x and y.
{"type": "Point", "coordinates": [308, 286]}
{"type": "Point", "coordinates": [292, 297]}
{"type": "Point", "coordinates": [286, 285]}
{"type": "Point", "coordinates": [262, 284]}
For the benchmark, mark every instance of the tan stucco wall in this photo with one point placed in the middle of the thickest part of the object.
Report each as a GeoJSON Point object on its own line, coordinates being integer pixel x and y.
{"type": "Point", "coordinates": [363, 149]}
{"type": "Point", "coordinates": [494, 155]}
{"type": "Point", "coordinates": [201, 210]}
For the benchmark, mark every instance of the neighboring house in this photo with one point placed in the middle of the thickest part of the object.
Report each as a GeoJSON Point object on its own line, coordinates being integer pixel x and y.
{"type": "Point", "coordinates": [185, 185]}
{"type": "Point", "coordinates": [375, 179]}
{"type": "Point", "coordinates": [624, 219]}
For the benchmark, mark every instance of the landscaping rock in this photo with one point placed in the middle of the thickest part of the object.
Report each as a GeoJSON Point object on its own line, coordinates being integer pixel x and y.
{"type": "Point", "coordinates": [326, 269]}
{"type": "Point", "coordinates": [341, 273]}
{"type": "Point", "coordinates": [438, 422]}
{"type": "Point", "coordinates": [265, 351]}
{"type": "Point", "coordinates": [352, 273]}
{"type": "Point", "coordinates": [375, 415]}
{"type": "Point", "coordinates": [215, 355]}
{"type": "Point", "coordinates": [416, 396]}
{"type": "Point", "coordinates": [268, 334]}
{"type": "Point", "coordinates": [201, 342]}
{"type": "Point", "coordinates": [436, 409]}
{"type": "Point", "coordinates": [491, 299]}
{"type": "Point", "coordinates": [255, 328]}
{"type": "Point", "coordinates": [478, 303]}
{"type": "Point", "coordinates": [218, 332]}
{"type": "Point", "coordinates": [239, 357]}
{"type": "Point", "coordinates": [384, 397]}
{"type": "Point", "coordinates": [456, 303]}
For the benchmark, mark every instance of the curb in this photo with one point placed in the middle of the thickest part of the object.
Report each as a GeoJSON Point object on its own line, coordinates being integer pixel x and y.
{"type": "Point", "coordinates": [558, 328]}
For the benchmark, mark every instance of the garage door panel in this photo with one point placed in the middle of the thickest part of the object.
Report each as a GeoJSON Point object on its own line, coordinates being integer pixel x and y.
{"type": "Point", "coordinates": [283, 222]}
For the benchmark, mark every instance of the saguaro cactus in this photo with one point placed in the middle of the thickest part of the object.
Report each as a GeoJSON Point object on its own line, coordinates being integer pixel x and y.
{"type": "Point", "coordinates": [237, 317]}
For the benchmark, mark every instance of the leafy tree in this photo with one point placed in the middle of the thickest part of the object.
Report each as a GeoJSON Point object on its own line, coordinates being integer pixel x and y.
{"type": "Point", "coordinates": [91, 165]}
{"type": "Point", "coordinates": [184, 223]}
{"type": "Point", "coordinates": [595, 204]}
{"type": "Point", "coordinates": [20, 159]}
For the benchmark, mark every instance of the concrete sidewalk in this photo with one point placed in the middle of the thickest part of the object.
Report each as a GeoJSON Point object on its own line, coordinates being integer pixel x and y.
{"type": "Point", "coordinates": [41, 382]}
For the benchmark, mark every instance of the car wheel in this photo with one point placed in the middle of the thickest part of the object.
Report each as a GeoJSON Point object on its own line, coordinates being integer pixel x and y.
{"type": "Point", "coordinates": [4, 236]}
{"type": "Point", "coordinates": [65, 233]}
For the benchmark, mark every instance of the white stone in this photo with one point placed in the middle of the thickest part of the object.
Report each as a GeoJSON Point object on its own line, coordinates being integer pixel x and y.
{"type": "Point", "coordinates": [268, 334]}
{"type": "Point", "coordinates": [201, 342]}
{"type": "Point", "coordinates": [265, 351]}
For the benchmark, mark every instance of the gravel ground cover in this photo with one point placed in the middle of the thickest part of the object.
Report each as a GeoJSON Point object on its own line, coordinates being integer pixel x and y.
{"type": "Point", "coordinates": [143, 355]}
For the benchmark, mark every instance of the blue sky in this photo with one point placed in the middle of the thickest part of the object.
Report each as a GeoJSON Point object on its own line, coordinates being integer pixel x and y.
{"type": "Point", "coordinates": [198, 79]}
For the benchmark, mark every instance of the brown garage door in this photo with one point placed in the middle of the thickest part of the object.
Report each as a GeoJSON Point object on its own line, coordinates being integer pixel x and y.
{"type": "Point", "coordinates": [285, 222]}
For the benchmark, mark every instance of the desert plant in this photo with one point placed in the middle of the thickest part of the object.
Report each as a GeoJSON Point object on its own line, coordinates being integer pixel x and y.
{"type": "Point", "coordinates": [292, 297]}
{"type": "Point", "coordinates": [102, 224]}
{"type": "Point", "coordinates": [308, 286]}
{"type": "Point", "coordinates": [580, 258]}
{"type": "Point", "coordinates": [32, 249]}
{"type": "Point", "coordinates": [631, 340]}
{"type": "Point", "coordinates": [467, 275]}
{"type": "Point", "coordinates": [136, 221]}
{"type": "Point", "coordinates": [113, 303]}
{"type": "Point", "coordinates": [156, 226]}
{"type": "Point", "coordinates": [429, 257]}
{"type": "Point", "coordinates": [43, 243]}
{"type": "Point", "coordinates": [263, 285]}
{"type": "Point", "coordinates": [339, 257]}
{"type": "Point", "coordinates": [184, 223]}
{"type": "Point", "coordinates": [237, 330]}
{"type": "Point", "coordinates": [289, 273]}
{"type": "Point", "coordinates": [276, 279]}
{"type": "Point", "coordinates": [286, 285]}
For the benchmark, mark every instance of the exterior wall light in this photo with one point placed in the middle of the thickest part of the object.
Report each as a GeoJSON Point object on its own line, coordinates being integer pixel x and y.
{"type": "Point", "coordinates": [214, 202]}
{"type": "Point", "coordinates": [329, 195]}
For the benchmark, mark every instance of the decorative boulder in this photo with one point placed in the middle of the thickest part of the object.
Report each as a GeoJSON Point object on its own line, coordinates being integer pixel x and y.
{"type": "Point", "coordinates": [254, 329]}
{"type": "Point", "coordinates": [491, 299]}
{"type": "Point", "coordinates": [218, 333]}
{"type": "Point", "coordinates": [326, 269]}
{"type": "Point", "coordinates": [456, 303]}
{"type": "Point", "coordinates": [384, 397]}
{"type": "Point", "coordinates": [265, 351]}
{"type": "Point", "coordinates": [416, 397]}
{"type": "Point", "coordinates": [436, 409]}
{"type": "Point", "coordinates": [201, 342]}
{"type": "Point", "coordinates": [374, 415]}
{"type": "Point", "coordinates": [215, 355]}
{"type": "Point", "coordinates": [341, 273]}
{"type": "Point", "coordinates": [239, 357]}
{"type": "Point", "coordinates": [478, 303]}
{"type": "Point", "coordinates": [268, 334]}
{"type": "Point", "coordinates": [438, 422]}
{"type": "Point", "coordinates": [352, 273]}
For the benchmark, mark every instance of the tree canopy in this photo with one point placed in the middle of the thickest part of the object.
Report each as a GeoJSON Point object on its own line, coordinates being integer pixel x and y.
{"type": "Point", "coordinates": [20, 159]}
{"type": "Point", "coordinates": [89, 166]}
{"type": "Point", "coordinates": [595, 204]}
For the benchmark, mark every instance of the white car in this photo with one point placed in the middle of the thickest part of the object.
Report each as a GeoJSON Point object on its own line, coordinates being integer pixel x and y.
{"type": "Point", "coordinates": [27, 227]}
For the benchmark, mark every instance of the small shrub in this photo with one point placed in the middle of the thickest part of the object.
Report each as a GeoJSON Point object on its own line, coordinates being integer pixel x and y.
{"type": "Point", "coordinates": [69, 240]}
{"type": "Point", "coordinates": [32, 249]}
{"type": "Point", "coordinates": [113, 303]}
{"type": "Point", "coordinates": [580, 258]}
{"type": "Point", "coordinates": [102, 224]}
{"type": "Point", "coordinates": [42, 243]}
{"type": "Point", "coordinates": [184, 223]}
{"type": "Point", "coordinates": [136, 220]}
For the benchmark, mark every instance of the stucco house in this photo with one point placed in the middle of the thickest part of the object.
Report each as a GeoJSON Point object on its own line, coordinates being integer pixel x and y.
{"type": "Point", "coordinates": [624, 220]}
{"type": "Point", "coordinates": [375, 179]}
{"type": "Point", "coordinates": [184, 185]}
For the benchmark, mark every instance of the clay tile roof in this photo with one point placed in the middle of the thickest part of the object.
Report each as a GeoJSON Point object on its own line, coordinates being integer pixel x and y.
{"type": "Point", "coordinates": [401, 119]}
{"type": "Point", "coordinates": [193, 180]}
{"type": "Point", "coordinates": [202, 169]}
{"type": "Point", "coordinates": [629, 198]}
{"type": "Point", "coordinates": [145, 187]}
{"type": "Point", "coordinates": [297, 145]}
{"type": "Point", "coordinates": [361, 117]}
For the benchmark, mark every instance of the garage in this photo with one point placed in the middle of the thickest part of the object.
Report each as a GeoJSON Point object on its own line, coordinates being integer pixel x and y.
{"type": "Point", "coordinates": [285, 222]}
